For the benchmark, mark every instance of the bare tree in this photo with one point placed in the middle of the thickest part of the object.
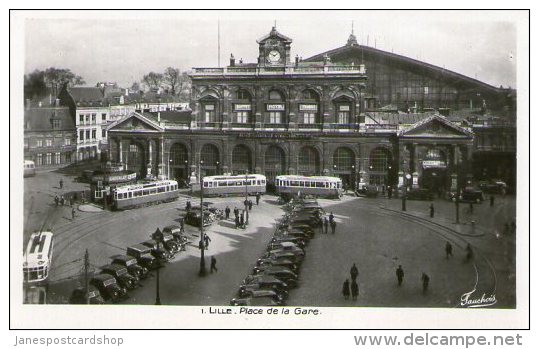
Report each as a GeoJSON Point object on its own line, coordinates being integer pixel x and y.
{"type": "Point", "coordinates": [152, 80]}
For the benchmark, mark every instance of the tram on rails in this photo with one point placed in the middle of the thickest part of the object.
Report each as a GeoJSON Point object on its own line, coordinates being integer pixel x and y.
{"type": "Point", "coordinates": [38, 257]}
{"type": "Point", "coordinates": [251, 184]}
{"type": "Point", "coordinates": [289, 185]}
{"type": "Point", "coordinates": [143, 194]}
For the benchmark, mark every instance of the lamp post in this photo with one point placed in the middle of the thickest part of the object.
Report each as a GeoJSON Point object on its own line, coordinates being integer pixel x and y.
{"type": "Point", "coordinates": [202, 271]}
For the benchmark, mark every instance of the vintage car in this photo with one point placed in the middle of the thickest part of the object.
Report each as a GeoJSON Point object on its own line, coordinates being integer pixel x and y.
{"type": "Point", "coordinates": [78, 296]}
{"type": "Point", "coordinates": [158, 250]}
{"type": "Point", "coordinates": [121, 274]}
{"type": "Point", "coordinates": [144, 257]}
{"type": "Point", "coordinates": [131, 264]}
{"type": "Point", "coordinates": [108, 287]}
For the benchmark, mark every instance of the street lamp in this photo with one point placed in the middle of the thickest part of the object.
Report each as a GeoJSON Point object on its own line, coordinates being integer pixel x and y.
{"type": "Point", "coordinates": [202, 271]}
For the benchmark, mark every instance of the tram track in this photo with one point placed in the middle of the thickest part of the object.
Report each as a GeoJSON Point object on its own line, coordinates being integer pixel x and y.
{"type": "Point", "coordinates": [485, 280]}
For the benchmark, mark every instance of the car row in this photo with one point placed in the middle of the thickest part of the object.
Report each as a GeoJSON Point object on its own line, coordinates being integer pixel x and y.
{"type": "Point", "coordinates": [276, 272]}
{"type": "Point", "coordinates": [124, 272]}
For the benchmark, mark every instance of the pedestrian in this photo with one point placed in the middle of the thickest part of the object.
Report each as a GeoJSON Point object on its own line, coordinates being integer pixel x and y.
{"type": "Point", "coordinates": [471, 207]}
{"type": "Point", "coordinates": [326, 223]}
{"type": "Point", "coordinates": [448, 250]}
{"type": "Point", "coordinates": [425, 280]}
{"type": "Point", "coordinates": [469, 252]}
{"type": "Point", "coordinates": [354, 272]}
{"type": "Point", "coordinates": [257, 198]}
{"type": "Point", "coordinates": [400, 275]}
{"type": "Point", "coordinates": [333, 227]}
{"type": "Point", "coordinates": [491, 200]}
{"type": "Point", "coordinates": [56, 200]}
{"type": "Point", "coordinates": [346, 289]}
{"type": "Point", "coordinates": [62, 200]}
{"type": "Point", "coordinates": [250, 205]}
{"type": "Point", "coordinates": [227, 212]}
{"type": "Point", "coordinates": [242, 221]}
{"type": "Point", "coordinates": [355, 289]}
{"type": "Point", "coordinates": [431, 209]}
{"type": "Point", "coordinates": [331, 217]}
{"type": "Point", "coordinates": [206, 241]}
{"type": "Point", "coordinates": [61, 184]}
{"type": "Point", "coordinates": [188, 205]}
{"type": "Point", "coordinates": [213, 264]}
{"type": "Point", "coordinates": [73, 213]}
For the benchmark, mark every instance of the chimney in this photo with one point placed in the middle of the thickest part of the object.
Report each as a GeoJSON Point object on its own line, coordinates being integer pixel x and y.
{"type": "Point", "coordinates": [232, 60]}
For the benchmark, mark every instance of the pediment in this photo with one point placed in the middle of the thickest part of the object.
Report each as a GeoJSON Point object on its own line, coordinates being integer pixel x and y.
{"type": "Point", "coordinates": [137, 123]}
{"type": "Point", "coordinates": [435, 127]}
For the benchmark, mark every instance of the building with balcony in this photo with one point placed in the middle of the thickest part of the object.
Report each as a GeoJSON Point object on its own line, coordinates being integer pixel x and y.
{"type": "Point", "coordinates": [318, 116]}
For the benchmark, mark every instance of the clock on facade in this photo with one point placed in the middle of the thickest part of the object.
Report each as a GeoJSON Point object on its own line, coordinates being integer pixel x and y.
{"type": "Point", "coordinates": [274, 56]}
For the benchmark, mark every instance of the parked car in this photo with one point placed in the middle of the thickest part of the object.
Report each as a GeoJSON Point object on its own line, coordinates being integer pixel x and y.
{"type": "Point", "coordinates": [160, 253]}
{"type": "Point", "coordinates": [193, 218]}
{"type": "Point", "coordinates": [144, 257]}
{"type": "Point", "coordinates": [108, 287]}
{"type": "Point", "coordinates": [131, 264]}
{"type": "Point", "coordinates": [419, 194]}
{"type": "Point", "coordinates": [79, 297]}
{"type": "Point", "coordinates": [121, 274]}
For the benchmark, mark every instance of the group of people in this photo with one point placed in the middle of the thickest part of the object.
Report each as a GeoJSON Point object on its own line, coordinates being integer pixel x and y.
{"type": "Point", "coordinates": [328, 222]}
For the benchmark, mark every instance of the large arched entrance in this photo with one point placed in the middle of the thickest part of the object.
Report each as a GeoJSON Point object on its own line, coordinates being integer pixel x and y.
{"type": "Point", "coordinates": [136, 159]}
{"type": "Point", "coordinates": [434, 176]}
{"type": "Point", "coordinates": [179, 162]}
{"type": "Point", "coordinates": [344, 166]}
{"type": "Point", "coordinates": [274, 162]}
{"type": "Point", "coordinates": [209, 155]}
{"type": "Point", "coordinates": [241, 160]}
{"type": "Point", "coordinates": [379, 166]}
{"type": "Point", "coordinates": [308, 161]}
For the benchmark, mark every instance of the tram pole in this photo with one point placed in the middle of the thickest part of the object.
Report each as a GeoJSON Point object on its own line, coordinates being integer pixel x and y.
{"type": "Point", "coordinates": [202, 271]}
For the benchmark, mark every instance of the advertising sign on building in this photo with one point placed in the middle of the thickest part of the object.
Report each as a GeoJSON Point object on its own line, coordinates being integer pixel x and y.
{"type": "Point", "coordinates": [242, 107]}
{"type": "Point", "coordinates": [308, 107]}
{"type": "Point", "coordinates": [275, 107]}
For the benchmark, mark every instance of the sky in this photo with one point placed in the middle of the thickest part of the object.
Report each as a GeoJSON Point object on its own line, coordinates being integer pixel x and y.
{"type": "Point", "coordinates": [122, 46]}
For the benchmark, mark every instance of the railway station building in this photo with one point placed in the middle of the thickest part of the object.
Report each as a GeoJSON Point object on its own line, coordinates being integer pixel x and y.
{"type": "Point", "coordinates": [356, 112]}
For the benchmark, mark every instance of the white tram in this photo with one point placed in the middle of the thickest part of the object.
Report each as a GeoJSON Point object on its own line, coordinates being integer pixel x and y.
{"type": "Point", "coordinates": [136, 195]}
{"type": "Point", "coordinates": [233, 185]}
{"type": "Point", "coordinates": [38, 257]}
{"type": "Point", "coordinates": [317, 185]}
{"type": "Point", "coordinates": [29, 168]}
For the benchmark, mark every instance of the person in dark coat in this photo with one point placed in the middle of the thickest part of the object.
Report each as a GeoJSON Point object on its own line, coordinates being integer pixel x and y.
{"type": "Point", "coordinates": [431, 209]}
{"type": "Point", "coordinates": [326, 224]}
{"type": "Point", "coordinates": [354, 272]}
{"type": "Point", "coordinates": [346, 289]}
{"type": "Point", "coordinates": [355, 290]}
{"type": "Point", "coordinates": [227, 212]}
{"type": "Point", "coordinates": [331, 217]}
{"type": "Point", "coordinates": [213, 264]}
{"type": "Point", "coordinates": [400, 274]}
{"type": "Point", "coordinates": [448, 250]}
{"type": "Point", "coordinates": [257, 198]}
{"type": "Point", "coordinates": [333, 227]}
{"type": "Point", "coordinates": [425, 280]}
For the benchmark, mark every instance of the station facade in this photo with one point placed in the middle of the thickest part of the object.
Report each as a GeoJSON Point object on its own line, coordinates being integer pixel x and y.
{"type": "Point", "coordinates": [292, 116]}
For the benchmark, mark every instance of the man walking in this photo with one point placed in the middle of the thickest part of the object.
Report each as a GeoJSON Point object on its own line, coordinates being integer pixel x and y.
{"type": "Point", "coordinates": [213, 264]}
{"type": "Point", "coordinates": [354, 272]}
{"type": "Point", "coordinates": [333, 227]}
{"type": "Point", "coordinates": [326, 224]}
{"type": "Point", "coordinates": [346, 289]}
{"type": "Point", "coordinates": [400, 275]}
{"type": "Point", "coordinates": [431, 208]}
{"type": "Point", "coordinates": [227, 212]}
{"type": "Point", "coordinates": [425, 280]}
{"type": "Point", "coordinates": [448, 250]}
{"type": "Point", "coordinates": [355, 290]}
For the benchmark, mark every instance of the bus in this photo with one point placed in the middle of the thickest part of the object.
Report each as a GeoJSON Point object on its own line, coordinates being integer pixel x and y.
{"type": "Point", "coordinates": [145, 193]}
{"type": "Point", "coordinates": [38, 257]}
{"type": "Point", "coordinates": [29, 168]}
{"type": "Point", "coordinates": [316, 185]}
{"type": "Point", "coordinates": [233, 185]}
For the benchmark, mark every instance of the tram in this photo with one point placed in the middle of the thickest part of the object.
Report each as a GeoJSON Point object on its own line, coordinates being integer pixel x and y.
{"type": "Point", "coordinates": [38, 257]}
{"type": "Point", "coordinates": [29, 168]}
{"type": "Point", "coordinates": [233, 185]}
{"type": "Point", "coordinates": [316, 185]}
{"type": "Point", "coordinates": [142, 194]}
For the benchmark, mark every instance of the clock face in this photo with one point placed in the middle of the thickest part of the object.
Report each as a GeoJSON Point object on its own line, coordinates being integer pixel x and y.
{"type": "Point", "coordinates": [274, 56]}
